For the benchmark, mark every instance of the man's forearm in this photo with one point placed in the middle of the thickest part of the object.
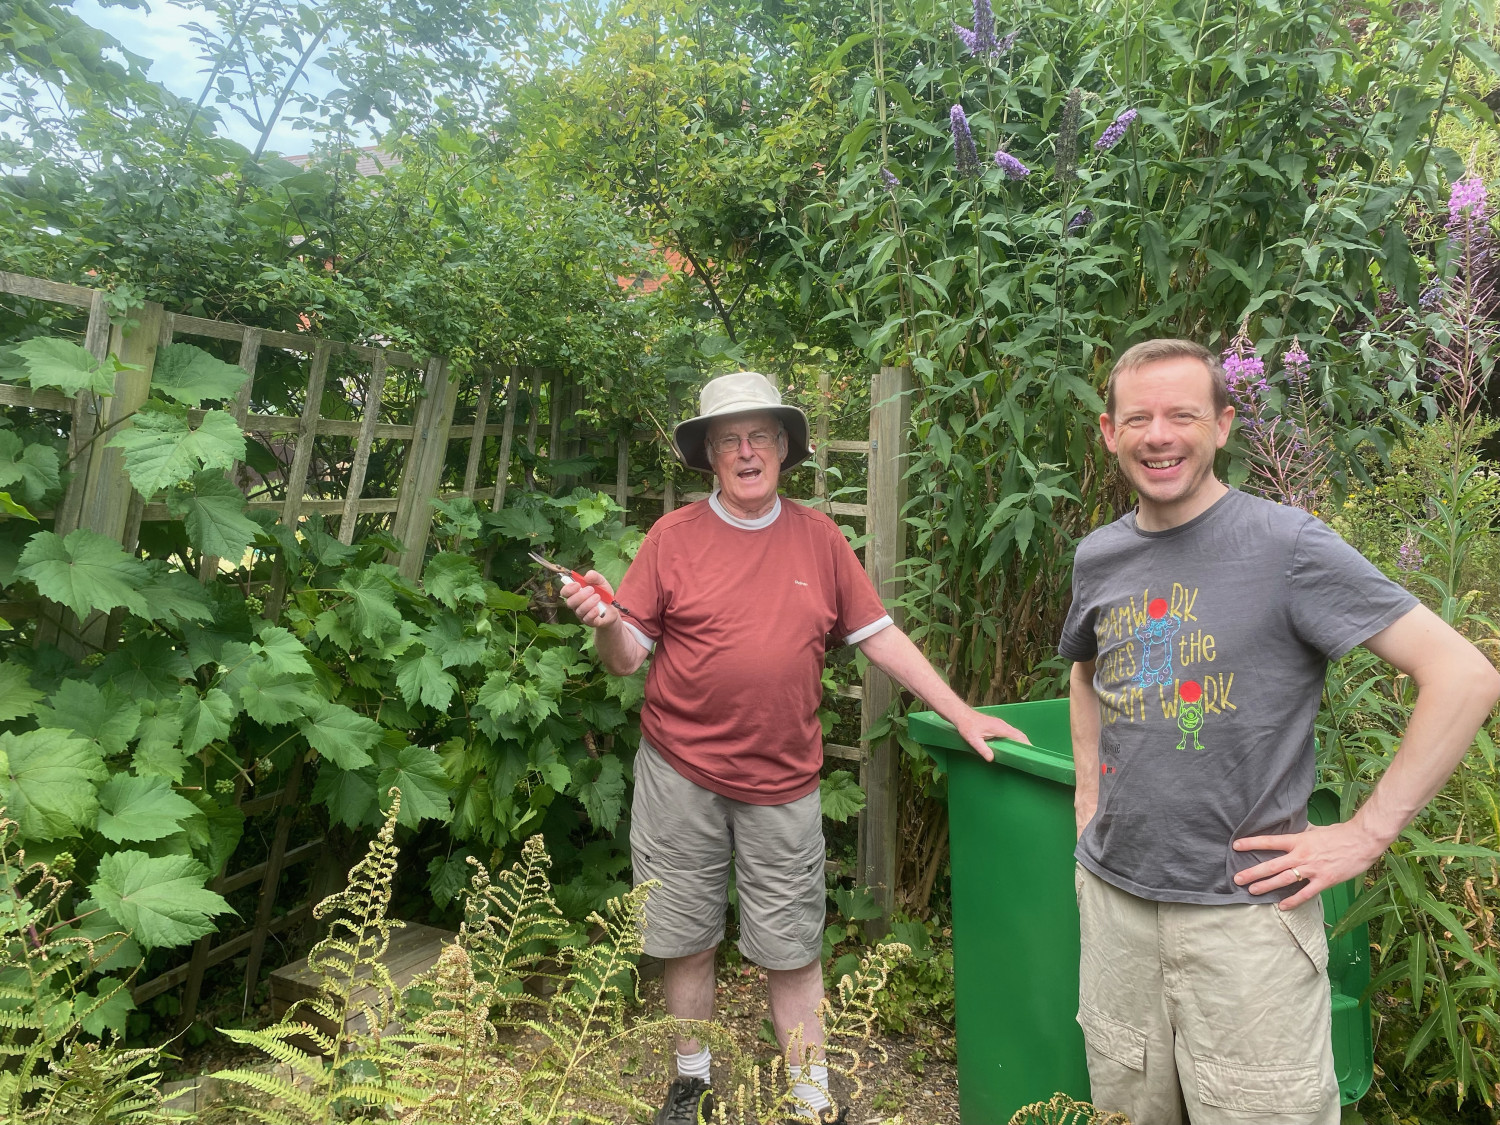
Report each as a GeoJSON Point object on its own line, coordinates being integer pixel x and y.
{"type": "Point", "coordinates": [1083, 717]}
{"type": "Point", "coordinates": [893, 652]}
{"type": "Point", "coordinates": [1456, 688]}
{"type": "Point", "coordinates": [1440, 732]}
{"type": "Point", "coordinates": [619, 651]}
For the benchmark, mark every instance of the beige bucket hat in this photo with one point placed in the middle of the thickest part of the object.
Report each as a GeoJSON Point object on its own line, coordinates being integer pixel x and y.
{"type": "Point", "coordinates": [743, 392]}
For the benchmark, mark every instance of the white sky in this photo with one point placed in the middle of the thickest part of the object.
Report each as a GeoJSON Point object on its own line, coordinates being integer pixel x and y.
{"type": "Point", "coordinates": [160, 34]}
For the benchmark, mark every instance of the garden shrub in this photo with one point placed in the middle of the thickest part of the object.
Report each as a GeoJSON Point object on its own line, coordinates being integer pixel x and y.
{"type": "Point", "coordinates": [52, 1072]}
{"type": "Point", "coordinates": [486, 712]}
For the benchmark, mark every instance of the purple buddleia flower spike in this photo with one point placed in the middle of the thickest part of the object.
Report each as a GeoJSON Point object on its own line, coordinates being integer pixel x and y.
{"type": "Point", "coordinates": [1081, 221]}
{"type": "Point", "coordinates": [1013, 168]}
{"type": "Point", "coordinates": [888, 180]}
{"type": "Point", "coordinates": [1116, 131]}
{"type": "Point", "coordinates": [965, 155]}
{"type": "Point", "coordinates": [1008, 42]}
{"type": "Point", "coordinates": [981, 41]}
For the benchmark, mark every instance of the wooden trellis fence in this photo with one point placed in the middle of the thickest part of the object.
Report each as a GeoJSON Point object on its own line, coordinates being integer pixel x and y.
{"type": "Point", "coordinates": [390, 398]}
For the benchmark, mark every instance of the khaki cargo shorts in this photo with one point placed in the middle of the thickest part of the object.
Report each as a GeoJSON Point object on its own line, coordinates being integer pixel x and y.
{"type": "Point", "coordinates": [1208, 1014]}
{"type": "Point", "coordinates": [685, 836]}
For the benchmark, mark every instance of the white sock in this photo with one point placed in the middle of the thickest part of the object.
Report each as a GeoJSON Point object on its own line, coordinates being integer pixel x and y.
{"type": "Point", "coordinates": [810, 1084]}
{"type": "Point", "coordinates": [695, 1066]}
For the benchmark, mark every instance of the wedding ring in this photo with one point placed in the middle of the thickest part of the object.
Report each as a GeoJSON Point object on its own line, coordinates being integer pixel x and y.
{"type": "Point", "coordinates": [1297, 874]}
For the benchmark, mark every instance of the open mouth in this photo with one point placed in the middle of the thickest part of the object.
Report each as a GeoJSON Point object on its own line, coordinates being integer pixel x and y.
{"type": "Point", "coordinates": [1163, 464]}
{"type": "Point", "coordinates": [749, 474]}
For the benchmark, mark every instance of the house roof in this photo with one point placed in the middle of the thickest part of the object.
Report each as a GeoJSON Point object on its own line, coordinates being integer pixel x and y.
{"type": "Point", "coordinates": [371, 160]}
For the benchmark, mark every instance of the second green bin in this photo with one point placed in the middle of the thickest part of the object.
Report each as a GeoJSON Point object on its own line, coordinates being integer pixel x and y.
{"type": "Point", "coordinates": [1015, 921]}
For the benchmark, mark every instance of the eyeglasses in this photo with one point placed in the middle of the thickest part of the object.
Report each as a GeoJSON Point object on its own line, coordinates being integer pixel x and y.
{"type": "Point", "coordinates": [730, 443]}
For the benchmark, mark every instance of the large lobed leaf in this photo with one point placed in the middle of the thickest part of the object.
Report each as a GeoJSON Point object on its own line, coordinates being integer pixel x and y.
{"type": "Point", "coordinates": [840, 796]}
{"type": "Point", "coordinates": [214, 514]}
{"type": "Point", "coordinates": [47, 780]}
{"type": "Point", "coordinates": [162, 450]}
{"type": "Point", "coordinates": [190, 375]}
{"type": "Point", "coordinates": [141, 808]}
{"type": "Point", "coordinates": [419, 775]}
{"type": "Point", "coordinates": [17, 696]}
{"type": "Point", "coordinates": [340, 734]}
{"type": "Point", "coordinates": [86, 571]}
{"type": "Point", "coordinates": [50, 362]}
{"type": "Point", "coordinates": [420, 676]}
{"type": "Point", "coordinates": [104, 715]}
{"type": "Point", "coordinates": [34, 468]}
{"type": "Point", "coordinates": [159, 900]}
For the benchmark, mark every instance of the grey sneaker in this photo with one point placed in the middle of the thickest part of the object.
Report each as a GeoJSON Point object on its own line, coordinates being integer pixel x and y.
{"type": "Point", "coordinates": [687, 1099]}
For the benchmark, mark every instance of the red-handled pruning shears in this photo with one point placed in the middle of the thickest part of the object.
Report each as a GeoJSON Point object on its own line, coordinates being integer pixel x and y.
{"type": "Point", "coordinates": [604, 595]}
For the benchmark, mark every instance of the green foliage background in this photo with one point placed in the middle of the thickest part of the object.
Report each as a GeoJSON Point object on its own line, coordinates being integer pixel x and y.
{"type": "Point", "coordinates": [646, 192]}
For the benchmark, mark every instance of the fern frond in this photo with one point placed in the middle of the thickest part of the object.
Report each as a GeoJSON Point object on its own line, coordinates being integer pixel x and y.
{"type": "Point", "coordinates": [359, 911]}
{"type": "Point", "coordinates": [312, 1107]}
{"type": "Point", "coordinates": [1063, 1110]}
{"type": "Point", "coordinates": [276, 1042]}
{"type": "Point", "coordinates": [511, 924]}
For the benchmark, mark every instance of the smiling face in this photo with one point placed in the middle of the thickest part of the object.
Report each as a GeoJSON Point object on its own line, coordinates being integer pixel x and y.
{"type": "Point", "coordinates": [747, 475]}
{"type": "Point", "coordinates": [1165, 432]}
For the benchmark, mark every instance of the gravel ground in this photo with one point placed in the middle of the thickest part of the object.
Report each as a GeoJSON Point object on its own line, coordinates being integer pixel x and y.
{"type": "Point", "coordinates": [915, 1084]}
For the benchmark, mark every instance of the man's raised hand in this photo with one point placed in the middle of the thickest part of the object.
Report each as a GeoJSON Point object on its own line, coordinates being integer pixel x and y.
{"type": "Point", "coordinates": [586, 603]}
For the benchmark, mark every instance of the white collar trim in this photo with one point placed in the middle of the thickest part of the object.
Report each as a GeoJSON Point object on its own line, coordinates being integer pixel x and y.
{"type": "Point", "coordinates": [723, 513]}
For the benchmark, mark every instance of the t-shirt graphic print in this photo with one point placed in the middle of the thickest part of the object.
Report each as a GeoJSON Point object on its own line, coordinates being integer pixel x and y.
{"type": "Point", "coordinates": [1211, 641]}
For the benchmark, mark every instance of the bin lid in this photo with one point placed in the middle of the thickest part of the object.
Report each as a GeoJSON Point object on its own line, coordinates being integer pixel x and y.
{"type": "Point", "coordinates": [1044, 721]}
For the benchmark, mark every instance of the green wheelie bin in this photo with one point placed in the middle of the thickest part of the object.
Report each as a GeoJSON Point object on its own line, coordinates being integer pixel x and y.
{"type": "Point", "coordinates": [1015, 920]}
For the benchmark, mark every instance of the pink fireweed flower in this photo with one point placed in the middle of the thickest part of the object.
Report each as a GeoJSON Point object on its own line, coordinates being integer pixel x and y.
{"type": "Point", "coordinates": [1296, 362]}
{"type": "Point", "coordinates": [1467, 202]}
{"type": "Point", "coordinates": [1409, 556]}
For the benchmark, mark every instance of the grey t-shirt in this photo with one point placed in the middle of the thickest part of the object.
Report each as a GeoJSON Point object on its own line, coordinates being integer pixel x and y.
{"type": "Point", "coordinates": [1212, 641]}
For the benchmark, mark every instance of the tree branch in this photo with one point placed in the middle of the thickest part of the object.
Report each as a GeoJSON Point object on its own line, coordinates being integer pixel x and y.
{"type": "Point", "coordinates": [713, 294]}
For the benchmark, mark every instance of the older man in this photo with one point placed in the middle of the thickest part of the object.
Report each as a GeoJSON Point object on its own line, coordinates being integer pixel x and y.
{"type": "Point", "coordinates": [734, 598]}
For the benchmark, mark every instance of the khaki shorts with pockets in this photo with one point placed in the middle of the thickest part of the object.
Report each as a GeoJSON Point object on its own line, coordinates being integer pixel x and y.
{"type": "Point", "coordinates": [1208, 1014]}
{"type": "Point", "coordinates": [684, 836]}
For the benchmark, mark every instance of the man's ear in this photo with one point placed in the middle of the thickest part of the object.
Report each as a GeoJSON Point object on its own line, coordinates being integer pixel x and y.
{"type": "Point", "coordinates": [1107, 428]}
{"type": "Point", "coordinates": [1223, 422]}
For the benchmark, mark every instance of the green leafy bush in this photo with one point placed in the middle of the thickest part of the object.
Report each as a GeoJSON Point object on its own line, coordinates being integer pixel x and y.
{"type": "Point", "coordinates": [487, 713]}
{"type": "Point", "coordinates": [51, 1073]}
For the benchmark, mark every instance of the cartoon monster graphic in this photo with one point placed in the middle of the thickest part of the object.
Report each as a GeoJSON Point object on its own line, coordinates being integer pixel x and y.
{"type": "Point", "coordinates": [1190, 713]}
{"type": "Point", "coordinates": [1156, 635]}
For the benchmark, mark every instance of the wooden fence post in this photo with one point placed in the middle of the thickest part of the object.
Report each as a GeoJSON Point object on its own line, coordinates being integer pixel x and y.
{"type": "Point", "coordinates": [374, 393]}
{"type": "Point", "coordinates": [296, 478]}
{"type": "Point", "coordinates": [424, 466]}
{"type": "Point", "coordinates": [249, 357]}
{"type": "Point", "coordinates": [880, 772]}
{"type": "Point", "coordinates": [507, 436]}
{"type": "Point", "coordinates": [100, 495]}
{"type": "Point", "coordinates": [476, 443]}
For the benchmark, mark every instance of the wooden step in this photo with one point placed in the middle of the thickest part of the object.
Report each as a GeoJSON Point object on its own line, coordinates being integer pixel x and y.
{"type": "Point", "coordinates": [414, 949]}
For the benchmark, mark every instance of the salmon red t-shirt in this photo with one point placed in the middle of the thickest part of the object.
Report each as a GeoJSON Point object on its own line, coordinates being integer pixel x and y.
{"type": "Point", "coordinates": [738, 614]}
